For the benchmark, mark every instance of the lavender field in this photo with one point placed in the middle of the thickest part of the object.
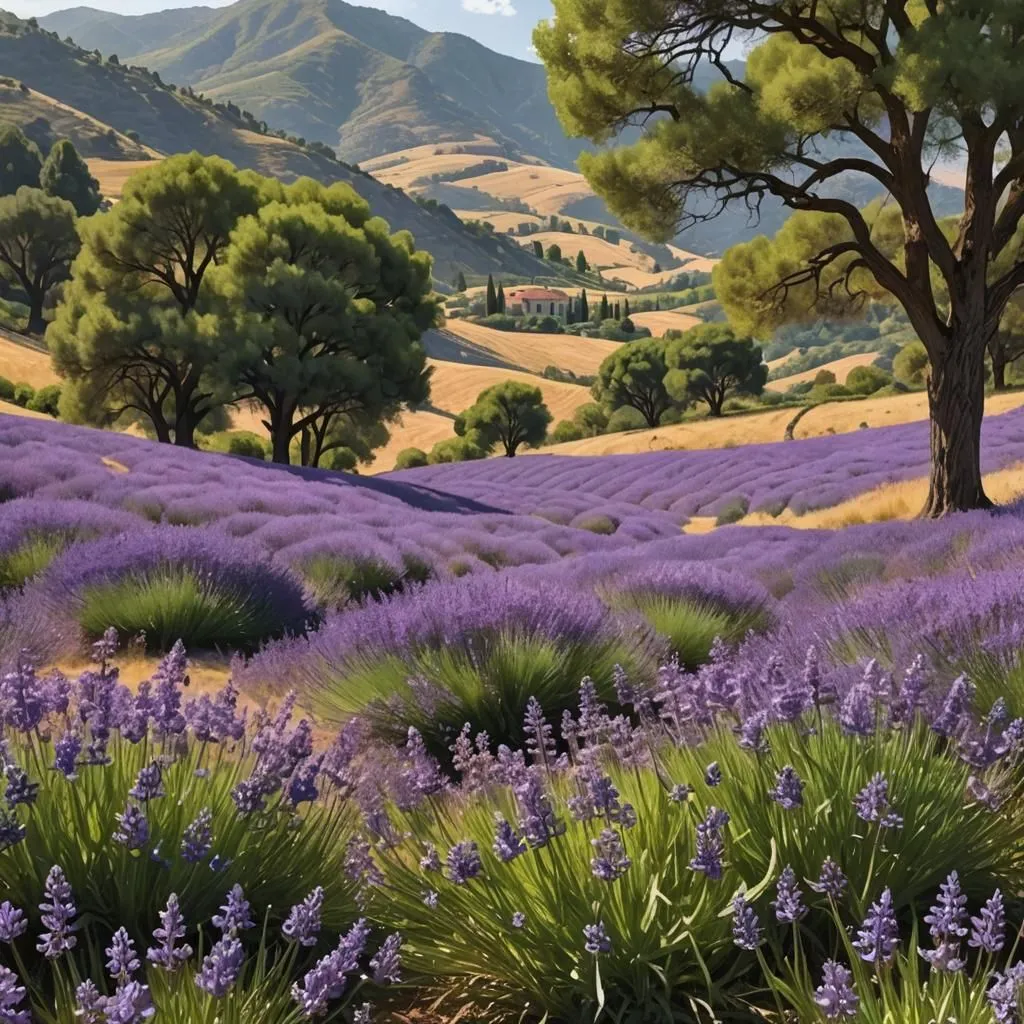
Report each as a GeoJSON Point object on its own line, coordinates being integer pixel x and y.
{"type": "Point", "coordinates": [501, 742]}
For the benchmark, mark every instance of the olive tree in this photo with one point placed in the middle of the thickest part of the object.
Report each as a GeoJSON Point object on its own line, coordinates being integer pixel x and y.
{"type": "Point", "coordinates": [510, 414]}
{"type": "Point", "coordinates": [871, 90]}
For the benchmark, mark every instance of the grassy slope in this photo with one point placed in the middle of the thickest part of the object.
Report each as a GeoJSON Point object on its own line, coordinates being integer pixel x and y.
{"type": "Point", "coordinates": [168, 122]}
{"type": "Point", "coordinates": [840, 367]}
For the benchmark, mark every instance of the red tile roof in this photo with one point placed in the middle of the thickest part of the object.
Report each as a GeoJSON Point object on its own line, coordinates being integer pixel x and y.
{"type": "Point", "coordinates": [538, 294]}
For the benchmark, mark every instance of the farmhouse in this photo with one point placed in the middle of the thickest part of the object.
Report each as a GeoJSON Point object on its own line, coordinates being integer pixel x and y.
{"type": "Point", "coordinates": [537, 301]}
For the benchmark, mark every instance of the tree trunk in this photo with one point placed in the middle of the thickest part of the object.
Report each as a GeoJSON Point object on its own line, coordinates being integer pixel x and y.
{"type": "Point", "coordinates": [999, 360]}
{"type": "Point", "coordinates": [185, 430]}
{"type": "Point", "coordinates": [280, 443]}
{"type": "Point", "coordinates": [36, 323]}
{"type": "Point", "coordinates": [956, 405]}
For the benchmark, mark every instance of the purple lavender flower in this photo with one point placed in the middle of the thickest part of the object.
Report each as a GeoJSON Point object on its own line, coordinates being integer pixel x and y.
{"type": "Point", "coordinates": [234, 916]}
{"type": "Point", "coordinates": [1004, 994]}
{"type": "Point", "coordinates": [593, 717]}
{"type": "Point", "coordinates": [835, 994]}
{"type": "Point", "coordinates": [12, 922]}
{"type": "Point", "coordinates": [65, 754]}
{"type": "Point", "coordinates": [596, 939]}
{"type": "Point", "coordinates": [950, 719]}
{"type": "Point", "coordinates": [831, 881]}
{"type": "Point", "coordinates": [710, 844]}
{"type": "Point", "coordinates": [463, 862]}
{"type": "Point", "coordinates": [359, 863]}
{"type": "Point", "coordinates": [11, 831]}
{"type": "Point", "coordinates": [169, 677]}
{"type": "Point", "coordinates": [58, 916]}
{"type": "Point", "coordinates": [19, 789]}
{"type": "Point", "coordinates": [430, 861]}
{"type": "Point", "coordinates": [148, 785]}
{"type": "Point", "coordinates": [301, 787]}
{"type": "Point", "coordinates": [132, 827]}
{"type": "Point", "coordinates": [878, 937]}
{"type": "Point", "coordinates": [799, 695]}
{"type": "Point", "coordinates": [387, 962]}
{"type": "Point", "coordinates": [857, 711]}
{"type": "Point", "coordinates": [910, 698]}
{"type": "Point", "coordinates": [789, 902]}
{"type": "Point", "coordinates": [610, 861]}
{"type": "Point", "coordinates": [746, 928]}
{"type": "Point", "coordinates": [220, 969]}
{"type": "Point", "coordinates": [430, 898]}
{"type": "Point", "coordinates": [537, 822]}
{"type": "Point", "coordinates": [752, 732]}
{"type": "Point", "coordinates": [539, 739]}
{"type": "Point", "coordinates": [197, 840]}
{"type": "Point", "coordinates": [122, 963]}
{"type": "Point", "coordinates": [507, 843]}
{"type": "Point", "coordinates": [11, 995]}
{"type": "Point", "coordinates": [131, 1003]}
{"type": "Point", "coordinates": [89, 1003]}
{"type": "Point", "coordinates": [789, 789]}
{"type": "Point", "coordinates": [327, 979]}
{"type": "Point", "coordinates": [947, 921]}
{"type": "Point", "coordinates": [168, 954]}
{"type": "Point", "coordinates": [518, 919]}
{"type": "Point", "coordinates": [249, 795]}
{"type": "Point", "coordinates": [135, 723]}
{"type": "Point", "coordinates": [303, 923]}
{"type": "Point", "coordinates": [680, 793]}
{"type": "Point", "coordinates": [988, 931]}
{"type": "Point", "coordinates": [713, 774]}
{"type": "Point", "coordinates": [872, 803]}
{"type": "Point", "coordinates": [22, 703]}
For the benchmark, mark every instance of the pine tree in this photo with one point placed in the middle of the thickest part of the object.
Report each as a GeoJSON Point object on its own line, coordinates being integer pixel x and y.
{"type": "Point", "coordinates": [501, 298]}
{"type": "Point", "coordinates": [492, 297]}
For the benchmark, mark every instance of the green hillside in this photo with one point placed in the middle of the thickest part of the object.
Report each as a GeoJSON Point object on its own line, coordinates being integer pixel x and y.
{"type": "Point", "coordinates": [53, 88]}
{"type": "Point", "coordinates": [356, 78]}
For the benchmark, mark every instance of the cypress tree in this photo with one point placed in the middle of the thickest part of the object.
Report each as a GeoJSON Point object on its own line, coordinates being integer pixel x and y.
{"type": "Point", "coordinates": [584, 307]}
{"type": "Point", "coordinates": [492, 297]}
{"type": "Point", "coordinates": [581, 262]}
{"type": "Point", "coordinates": [501, 298]}
{"type": "Point", "coordinates": [538, 250]}
{"type": "Point", "coordinates": [617, 317]}
{"type": "Point", "coordinates": [460, 282]}
{"type": "Point", "coordinates": [627, 308]}
{"type": "Point", "coordinates": [657, 303]}
{"type": "Point", "coordinates": [604, 307]}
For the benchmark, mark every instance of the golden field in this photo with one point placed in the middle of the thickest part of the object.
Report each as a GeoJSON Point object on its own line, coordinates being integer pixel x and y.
{"type": "Point", "coordinates": [660, 321]}
{"type": "Point", "coordinates": [840, 367]}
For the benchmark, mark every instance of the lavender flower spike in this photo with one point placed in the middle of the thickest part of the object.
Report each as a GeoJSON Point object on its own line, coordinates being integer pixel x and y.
{"type": "Point", "coordinates": [168, 954]}
{"type": "Point", "coordinates": [789, 789]}
{"type": "Point", "coordinates": [835, 994]}
{"type": "Point", "coordinates": [872, 803]}
{"type": "Point", "coordinates": [1004, 994]}
{"type": "Point", "coordinates": [878, 937]}
{"type": "Point", "coordinates": [221, 968]}
{"type": "Point", "coordinates": [12, 922]}
{"type": "Point", "coordinates": [596, 939]}
{"type": "Point", "coordinates": [234, 915]}
{"type": "Point", "coordinates": [463, 862]}
{"type": "Point", "coordinates": [132, 828]}
{"type": "Point", "coordinates": [122, 962]}
{"type": "Point", "coordinates": [746, 928]}
{"type": "Point", "coordinates": [789, 905]}
{"type": "Point", "coordinates": [988, 932]}
{"type": "Point", "coordinates": [58, 913]}
{"type": "Point", "coordinates": [303, 923]}
{"type": "Point", "coordinates": [11, 994]}
{"type": "Point", "coordinates": [831, 881]}
{"type": "Point", "coordinates": [387, 962]}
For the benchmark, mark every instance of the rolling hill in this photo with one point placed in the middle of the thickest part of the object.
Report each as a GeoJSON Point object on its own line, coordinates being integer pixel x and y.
{"type": "Point", "coordinates": [118, 112]}
{"type": "Point", "coordinates": [353, 77]}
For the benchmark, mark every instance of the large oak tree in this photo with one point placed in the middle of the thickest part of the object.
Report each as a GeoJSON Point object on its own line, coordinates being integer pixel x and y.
{"type": "Point", "coordinates": [872, 89]}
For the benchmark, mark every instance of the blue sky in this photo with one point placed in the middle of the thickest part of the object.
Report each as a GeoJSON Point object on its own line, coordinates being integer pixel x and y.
{"type": "Point", "coordinates": [502, 25]}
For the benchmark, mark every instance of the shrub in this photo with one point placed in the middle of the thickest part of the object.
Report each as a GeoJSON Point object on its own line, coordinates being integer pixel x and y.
{"type": "Point", "coordinates": [566, 430]}
{"type": "Point", "coordinates": [823, 377]}
{"type": "Point", "coordinates": [248, 445]}
{"type": "Point", "coordinates": [692, 606]}
{"type": "Point", "coordinates": [410, 458]}
{"type": "Point", "coordinates": [23, 394]}
{"type": "Point", "coordinates": [732, 511]}
{"type": "Point", "coordinates": [456, 449]}
{"type": "Point", "coordinates": [473, 651]}
{"type": "Point", "coordinates": [34, 531]}
{"type": "Point", "coordinates": [6, 390]}
{"type": "Point", "coordinates": [335, 582]}
{"type": "Point", "coordinates": [625, 418]}
{"type": "Point", "coordinates": [500, 322]}
{"type": "Point", "coordinates": [597, 524]}
{"type": "Point", "coordinates": [177, 583]}
{"type": "Point", "coordinates": [866, 380]}
{"type": "Point", "coordinates": [45, 400]}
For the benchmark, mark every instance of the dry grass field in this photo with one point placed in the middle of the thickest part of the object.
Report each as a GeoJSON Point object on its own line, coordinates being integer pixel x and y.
{"type": "Point", "coordinates": [599, 253]}
{"type": "Point", "coordinates": [537, 351]}
{"type": "Point", "coordinates": [23, 365]}
{"type": "Point", "coordinates": [546, 190]}
{"type": "Point", "coordinates": [658, 322]}
{"type": "Point", "coordinates": [768, 427]}
{"type": "Point", "coordinates": [693, 261]}
{"type": "Point", "coordinates": [112, 174]}
{"type": "Point", "coordinates": [478, 146]}
{"type": "Point", "coordinates": [774, 364]}
{"type": "Point", "coordinates": [840, 367]}
{"type": "Point", "coordinates": [635, 277]}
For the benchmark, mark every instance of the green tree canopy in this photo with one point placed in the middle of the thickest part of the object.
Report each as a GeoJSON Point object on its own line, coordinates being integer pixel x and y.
{"type": "Point", "coordinates": [511, 414]}
{"type": "Point", "coordinates": [634, 376]}
{"type": "Point", "coordinates": [492, 297]}
{"type": "Point", "coordinates": [581, 262]}
{"type": "Point", "coordinates": [65, 174]}
{"type": "Point", "coordinates": [324, 310]}
{"type": "Point", "coordinates": [20, 160]}
{"type": "Point", "coordinates": [554, 254]}
{"type": "Point", "coordinates": [708, 363]}
{"type": "Point", "coordinates": [866, 380]}
{"type": "Point", "coordinates": [910, 364]}
{"type": "Point", "coordinates": [38, 241]}
{"type": "Point", "coordinates": [131, 333]}
{"type": "Point", "coordinates": [457, 449]}
{"type": "Point", "coordinates": [851, 91]}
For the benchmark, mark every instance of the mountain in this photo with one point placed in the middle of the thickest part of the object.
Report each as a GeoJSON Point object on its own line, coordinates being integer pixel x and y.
{"type": "Point", "coordinates": [120, 112]}
{"type": "Point", "coordinates": [356, 78]}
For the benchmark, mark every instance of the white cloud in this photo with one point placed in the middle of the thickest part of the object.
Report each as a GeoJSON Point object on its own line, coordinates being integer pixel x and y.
{"type": "Point", "coordinates": [503, 7]}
